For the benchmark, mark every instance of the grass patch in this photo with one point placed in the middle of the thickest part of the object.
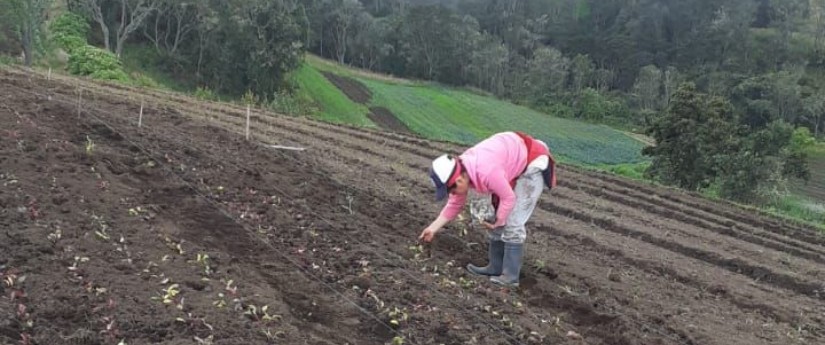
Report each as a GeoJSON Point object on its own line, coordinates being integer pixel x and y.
{"type": "Point", "coordinates": [799, 208]}
{"type": "Point", "coordinates": [334, 106]}
{"type": "Point", "coordinates": [633, 171]}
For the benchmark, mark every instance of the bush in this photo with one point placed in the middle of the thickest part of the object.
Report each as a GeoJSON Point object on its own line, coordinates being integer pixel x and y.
{"type": "Point", "coordinates": [292, 104]}
{"type": "Point", "coordinates": [6, 60]}
{"type": "Point", "coordinates": [70, 24]}
{"type": "Point", "coordinates": [97, 63]}
{"type": "Point", "coordinates": [205, 94]}
{"type": "Point", "coordinates": [69, 43]}
{"type": "Point", "coordinates": [69, 31]}
{"type": "Point", "coordinates": [143, 80]}
{"type": "Point", "coordinates": [592, 105]}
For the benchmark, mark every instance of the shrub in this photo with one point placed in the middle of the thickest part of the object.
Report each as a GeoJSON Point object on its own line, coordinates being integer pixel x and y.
{"type": "Point", "coordinates": [143, 80]}
{"type": "Point", "coordinates": [69, 31]}
{"type": "Point", "coordinates": [97, 63]}
{"type": "Point", "coordinates": [205, 93]}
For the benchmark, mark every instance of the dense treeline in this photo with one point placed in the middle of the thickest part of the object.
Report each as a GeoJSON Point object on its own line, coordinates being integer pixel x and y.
{"type": "Point", "coordinates": [592, 59]}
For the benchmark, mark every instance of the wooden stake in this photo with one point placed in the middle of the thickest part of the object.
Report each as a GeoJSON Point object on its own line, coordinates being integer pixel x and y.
{"type": "Point", "coordinates": [247, 121]}
{"type": "Point", "coordinates": [79, 101]}
{"type": "Point", "coordinates": [50, 74]}
{"type": "Point", "coordinates": [140, 117]}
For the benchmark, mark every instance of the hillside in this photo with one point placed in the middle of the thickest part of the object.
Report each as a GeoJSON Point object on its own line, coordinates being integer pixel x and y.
{"type": "Point", "coordinates": [438, 112]}
{"type": "Point", "coordinates": [181, 229]}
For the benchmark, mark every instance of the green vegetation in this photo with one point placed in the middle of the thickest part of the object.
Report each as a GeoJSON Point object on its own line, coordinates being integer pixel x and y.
{"type": "Point", "coordinates": [799, 208]}
{"type": "Point", "coordinates": [443, 113]}
{"type": "Point", "coordinates": [6, 60]}
{"type": "Point", "coordinates": [69, 31]}
{"type": "Point", "coordinates": [703, 145]}
{"type": "Point", "coordinates": [458, 115]}
{"type": "Point", "coordinates": [634, 171]}
{"type": "Point", "coordinates": [96, 63]}
{"type": "Point", "coordinates": [147, 68]}
{"type": "Point", "coordinates": [333, 105]}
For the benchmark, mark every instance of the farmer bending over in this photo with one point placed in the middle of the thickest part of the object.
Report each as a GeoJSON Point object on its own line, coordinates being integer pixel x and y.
{"type": "Point", "coordinates": [512, 167]}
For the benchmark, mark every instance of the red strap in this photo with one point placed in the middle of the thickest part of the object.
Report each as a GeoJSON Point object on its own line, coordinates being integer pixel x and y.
{"type": "Point", "coordinates": [534, 150]}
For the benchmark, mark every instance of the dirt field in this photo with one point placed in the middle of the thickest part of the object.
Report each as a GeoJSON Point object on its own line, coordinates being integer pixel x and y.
{"type": "Point", "coordinates": [183, 232]}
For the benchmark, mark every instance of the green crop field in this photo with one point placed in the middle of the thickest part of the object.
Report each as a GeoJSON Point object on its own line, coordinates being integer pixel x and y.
{"type": "Point", "coordinates": [334, 105]}
{"type": "Point", "coordinates": [437, 112]}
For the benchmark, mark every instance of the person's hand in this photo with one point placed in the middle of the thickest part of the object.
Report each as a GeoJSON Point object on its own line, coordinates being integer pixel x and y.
{"type": "Point", "coordinates": [488, 225]}
{"type": "Point", "coordinates": [427, 235]}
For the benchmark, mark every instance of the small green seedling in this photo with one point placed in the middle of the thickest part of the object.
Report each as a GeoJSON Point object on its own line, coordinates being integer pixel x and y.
{"type": "Point", "coordinates": [466, 283]}
{"type": "Point", "coordinates": [55, 236]}
{"type": "Point", "coordinates": [272, 336]}
{"type": "Point", "coordinates": [170, 293]}
{"type": "Point", "coordinates": [203, 259]}
{"type": "Point", "coordinates": [221, 302]}
{"type": "Point", "coordinates": [90, 145]}
{"type": "Point", "coordinates": [397, 316]}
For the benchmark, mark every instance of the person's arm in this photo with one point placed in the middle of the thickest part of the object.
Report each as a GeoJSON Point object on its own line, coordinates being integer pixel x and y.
{"type": "Point", "coordinates": [500, 186]}
{"type": "Point", "coordinates": [448, 213]}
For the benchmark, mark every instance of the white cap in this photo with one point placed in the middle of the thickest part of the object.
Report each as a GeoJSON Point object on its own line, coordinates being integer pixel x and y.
{"type": "Point", "coordinates": [444, 171]}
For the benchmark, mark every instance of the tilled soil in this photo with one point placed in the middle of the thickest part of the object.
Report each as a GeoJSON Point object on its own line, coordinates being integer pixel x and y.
{"type": "Point", "coordinates": [385, 119]}
{"type": "Point", "coordinates": [181, 231]}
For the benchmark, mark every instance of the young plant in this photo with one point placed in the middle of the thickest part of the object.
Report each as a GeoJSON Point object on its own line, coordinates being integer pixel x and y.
{"type": "Point", "coordinates": [55, 236]}
{"type": "Point", "coordinates": [203, 259]}
{"type": "Point", "coordinates": [466, 283]}
{"type": "Point", "coordinates": [171, 295]}
{"type": "Point", "coordinates": [103, 227]}
{"type": "Point", "coordinates": [90, 145]}
{"type": "Point", "coordinates": [221, 302]}
{"type": "Point", "coordinates": [397, 316]}
{"type": "Point", "coordinates": [272, 336]}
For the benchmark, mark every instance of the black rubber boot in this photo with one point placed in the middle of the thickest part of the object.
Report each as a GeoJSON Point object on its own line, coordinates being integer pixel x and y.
{"type": "Point", "coordinates": [513, 257]}
{"type": "Point", "coordinates": [496, 258]}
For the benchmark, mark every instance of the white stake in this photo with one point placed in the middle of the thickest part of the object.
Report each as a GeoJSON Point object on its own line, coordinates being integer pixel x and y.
{"type": "Point", "coordinates": [79, 102]}
{"type": "Point", "coordinates": [140, 117]}
{"type": "Point", "coordinates": [50, 74]}
{"type": "Point", "coordinates": [290, 148]}
{"type": "Point", "coordinates": [247, 121]}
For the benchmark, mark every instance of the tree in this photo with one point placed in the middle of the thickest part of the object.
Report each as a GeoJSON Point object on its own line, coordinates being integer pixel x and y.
{"type": "Point", "coordinates": [132, 13]}
{"type": "Point", "coordinates": [700, 143]}
{"type": "Point", "coordinates": [433, 42]}
{"type": "Point", "coordinates": [671, 79]}
{"type": "Point", "coordinates": [169, 26]}
{"type": "Point", "coordinates": [692, 138]}
{"type": "Point", "coordinates": [603, 79]}
{"type": "Point", "coordinates": [26, 17]}
{"type": "Point", "coordinates": [547, 73]}
{"type": "Point", "coordinates": [814, 111]}
{"type": "Point", "coordinates": [581, 72]}
{"type": "Point", "coordinates": [488, 64]}
{"type": "Point", "coordinates": [647, 88]}
{"type": "Point", "coordinates": [342, 20]}
{"type": "Point", "coordinates": [369, 44]}
{"type": "Point", "coordinates": [249, 45]}
{"type": "Point", "coordinates": [786, 93]}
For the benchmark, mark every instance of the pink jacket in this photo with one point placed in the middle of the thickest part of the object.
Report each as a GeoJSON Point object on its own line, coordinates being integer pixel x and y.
{"type": "Point", "coordinates": [491, 165]}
